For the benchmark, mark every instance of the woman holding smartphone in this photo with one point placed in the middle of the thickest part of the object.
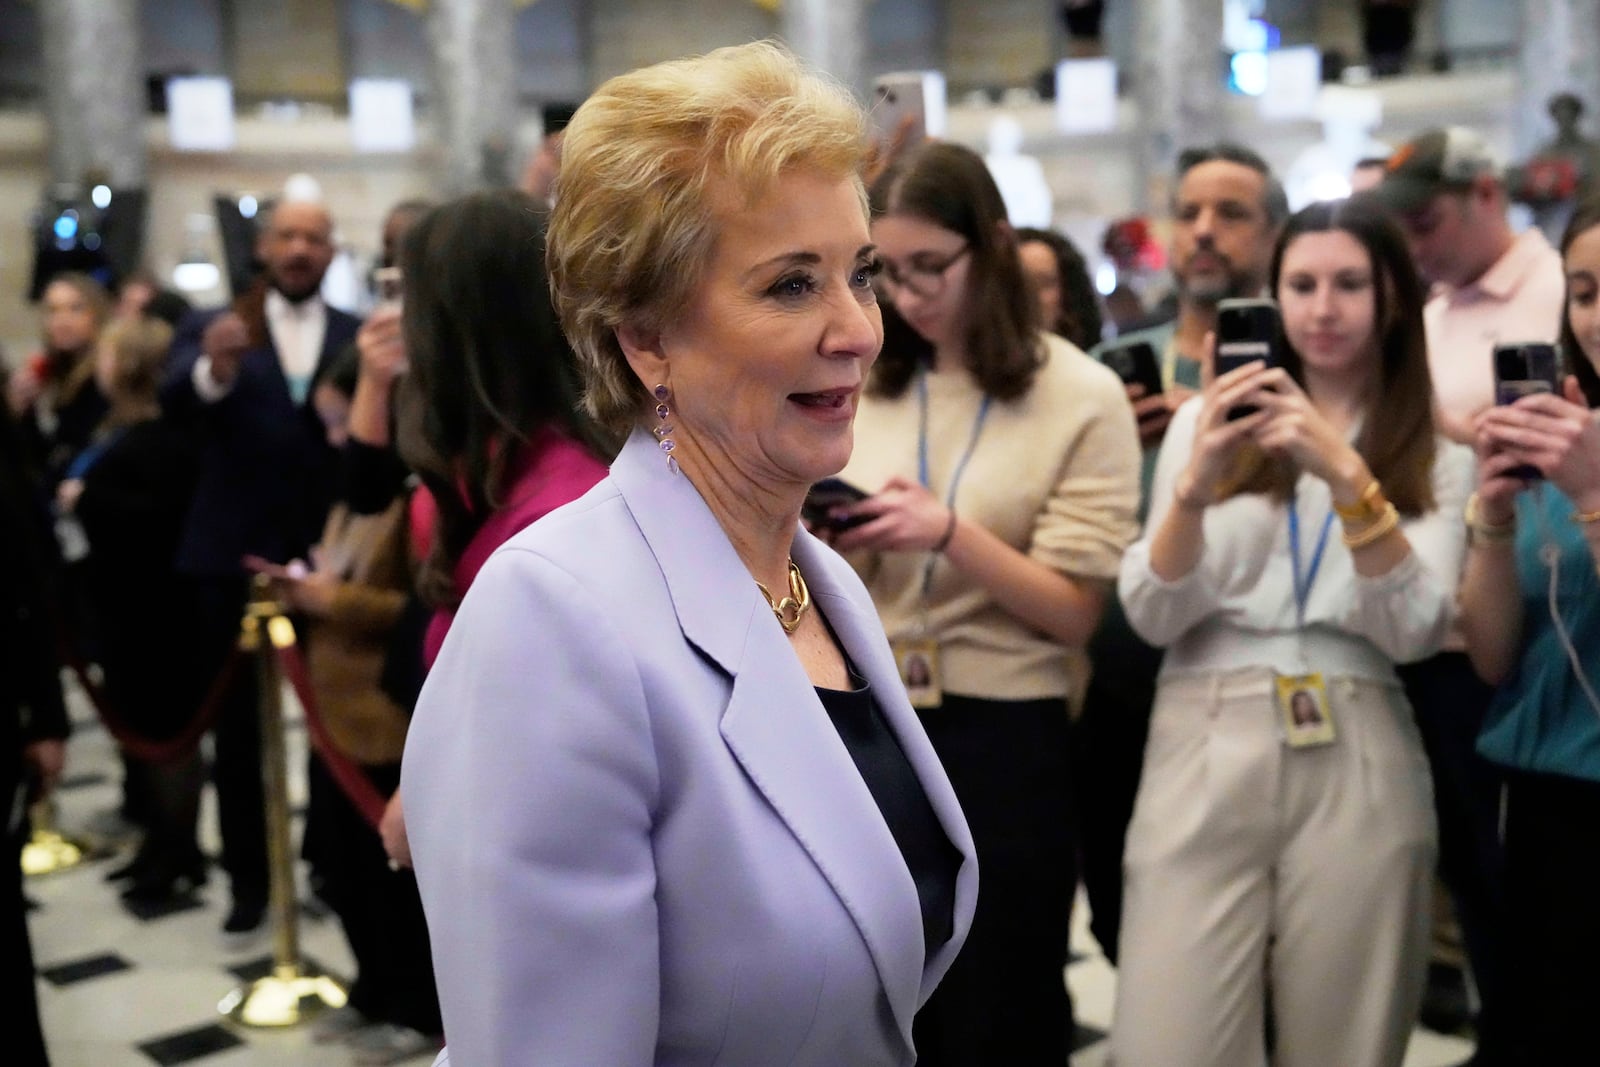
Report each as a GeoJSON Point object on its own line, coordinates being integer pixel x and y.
{"type": "Point", "coordinates": [1530, 610]}
{"type": "Point", "coordinates": [1004, 465]}
{"type": "Point", "coordinates": [1293, 555]}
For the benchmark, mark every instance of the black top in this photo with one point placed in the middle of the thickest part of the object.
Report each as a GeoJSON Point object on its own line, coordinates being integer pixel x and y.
{"type": "Point", "coordinates": [932, 859]}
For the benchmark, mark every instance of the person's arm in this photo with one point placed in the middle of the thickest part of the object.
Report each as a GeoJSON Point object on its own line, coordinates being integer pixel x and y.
{"type": "Point", "coordinates": [530, 791]}
{"type": "Point", "coordinates": [1490, 597]}
{"type": "Point", "coordinates": [1560, 437]}
{"type": "Point", "coordinates": [1059, 585]}
{"type": "Point", "coordinates": [383, 360]}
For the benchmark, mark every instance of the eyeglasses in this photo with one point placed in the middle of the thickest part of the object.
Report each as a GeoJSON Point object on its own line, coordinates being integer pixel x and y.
{"type": "Point", "coordinates": [925, 277]}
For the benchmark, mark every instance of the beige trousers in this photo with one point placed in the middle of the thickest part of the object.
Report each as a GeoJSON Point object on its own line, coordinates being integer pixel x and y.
{"type": "Point", "coordinates": [1249, 862]}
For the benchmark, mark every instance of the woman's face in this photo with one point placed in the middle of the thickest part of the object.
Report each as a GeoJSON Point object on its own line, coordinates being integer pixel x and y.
{"type": "Point", "coordinates": [1582, 264]}
{"type": "Point", "coordinates": [926, 270]}
{"type": "Point", "coordinates": [1328, 297]}
{"type": "Point", "coordinates": [1039, 264]}
{"type": "Point", "coordinates": [69, 319]}
{"type": "Point", "coordinates": [767, 363]}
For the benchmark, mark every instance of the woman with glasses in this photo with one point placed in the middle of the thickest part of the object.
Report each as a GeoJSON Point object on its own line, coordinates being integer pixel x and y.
{"type": "Point", "coordinates": [1004, 467]}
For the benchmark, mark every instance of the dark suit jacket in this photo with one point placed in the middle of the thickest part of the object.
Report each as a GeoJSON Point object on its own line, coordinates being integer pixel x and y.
{"type": "Point", "coordinates": [266, 474]}
{"type": "Point", "coordinates": [30, 689]}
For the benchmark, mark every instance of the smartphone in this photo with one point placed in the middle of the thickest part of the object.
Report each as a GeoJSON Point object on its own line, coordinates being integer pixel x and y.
{"type": "Point", "coordinates": [828, 494]}
{"type": "Point", "coordinates": [1522, 369]}
{"type": "Point", "coordinates": [917, 96]}
{"type": "Point", "coordinates": [1136, 363]}
{"type": "Point", "coordinates": [389, 282]}
{"type": "Point", "coordinates": [1247, 332]}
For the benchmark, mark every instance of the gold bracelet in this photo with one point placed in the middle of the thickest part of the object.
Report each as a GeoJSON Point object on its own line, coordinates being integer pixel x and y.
{"type": "Point", "coordinates": [1586, 517]}
{"type": "Point", "coordinates": [1367, 508]}
{"type": "Point", "coordinates": [1488, 533]}
{"type": "Point", "coordinates": [1384, 525]}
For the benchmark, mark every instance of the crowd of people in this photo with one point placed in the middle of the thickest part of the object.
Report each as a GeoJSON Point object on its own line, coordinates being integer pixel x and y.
{"type": "Point", "coordinates": [1252, 653]}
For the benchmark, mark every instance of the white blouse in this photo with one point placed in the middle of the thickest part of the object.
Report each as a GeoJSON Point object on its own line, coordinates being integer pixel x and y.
{"type": "Point", "coordinates": [1237, 607]}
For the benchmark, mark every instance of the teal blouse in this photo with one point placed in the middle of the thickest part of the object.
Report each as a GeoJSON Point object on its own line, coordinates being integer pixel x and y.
{"type": "Point", "coordinates": [1540, 719]}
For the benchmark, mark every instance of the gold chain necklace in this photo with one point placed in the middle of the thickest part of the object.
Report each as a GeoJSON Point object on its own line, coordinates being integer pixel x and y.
{"type": "Point", "coordinates": [792, 608]}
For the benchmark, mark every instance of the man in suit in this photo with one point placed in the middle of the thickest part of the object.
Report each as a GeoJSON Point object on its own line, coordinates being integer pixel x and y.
{"type": "Point", "coordinates": [241, 379]}
{"type": "Point", "coordinates": [33, 725]}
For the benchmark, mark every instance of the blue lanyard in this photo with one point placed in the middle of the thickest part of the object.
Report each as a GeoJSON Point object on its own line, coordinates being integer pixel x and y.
{"type": "Point", "coordinates": [1302, 583]}
{"type": "Point", "coordinates": [961, 464]}
{"type": "Point", "coordinates": [922, 440]}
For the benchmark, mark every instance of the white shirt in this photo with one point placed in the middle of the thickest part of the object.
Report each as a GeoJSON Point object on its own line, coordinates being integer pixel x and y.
{"type": "Point", "coordinates": [1237, 607]}
{"type": "Point", "coordinates": [297, 332]}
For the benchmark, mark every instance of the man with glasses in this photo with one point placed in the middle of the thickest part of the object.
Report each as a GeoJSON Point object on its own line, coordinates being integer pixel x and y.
{"type": "Point", "coordinates": [1226, 213]}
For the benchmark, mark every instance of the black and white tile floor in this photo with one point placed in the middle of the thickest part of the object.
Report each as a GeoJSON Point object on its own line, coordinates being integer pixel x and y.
{"type": "Point", "coordinates": [118, 989]}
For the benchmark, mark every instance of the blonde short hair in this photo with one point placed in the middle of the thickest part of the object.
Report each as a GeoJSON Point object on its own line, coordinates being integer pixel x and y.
{"type": "Point", "coordinates": [642, 163]}
{"type": "Point", "coordinates": [139, 355]}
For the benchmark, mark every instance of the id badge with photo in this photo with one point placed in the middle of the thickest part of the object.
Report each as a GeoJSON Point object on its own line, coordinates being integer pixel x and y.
{"type": "Point", "coordinates": [1304, 711]}
{"type": "Point", "coordinates": [917, 660]}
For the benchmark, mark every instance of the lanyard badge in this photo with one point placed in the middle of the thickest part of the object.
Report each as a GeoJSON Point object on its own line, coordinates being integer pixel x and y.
{"type": "Point", "coordinates": [918, 656]}
{"type": "Point", "coordinates": [1302, 699]}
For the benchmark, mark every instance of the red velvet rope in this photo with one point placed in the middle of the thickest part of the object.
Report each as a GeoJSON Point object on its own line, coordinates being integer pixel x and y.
{"type": "Point", "coordinates": [353, 783]}
{"type": "Point", "coordinates": [143, 748]}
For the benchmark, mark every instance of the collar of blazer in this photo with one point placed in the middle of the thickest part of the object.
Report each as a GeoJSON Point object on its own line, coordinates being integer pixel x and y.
{"type": "Point", "coordinates": [778, 730]}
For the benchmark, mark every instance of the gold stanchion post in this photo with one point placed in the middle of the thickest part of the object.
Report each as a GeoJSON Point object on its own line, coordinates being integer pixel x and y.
{"type": "Point", "coordinates": [292, 994]}
{"type": "Point", "coordinates": [48, 850]}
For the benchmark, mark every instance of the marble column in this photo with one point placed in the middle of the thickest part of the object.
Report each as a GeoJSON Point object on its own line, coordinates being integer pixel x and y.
{"type": "Point", "coordinates": [94, 91]}
{"type": "Point", "coordinates": [1560, 52]}
{"type": "Point", "coordinates": [829, 34]}
{"type": "Point", "coordinates": [475, 90]}
{"type": "Point", "coordinates": [1179, 86]}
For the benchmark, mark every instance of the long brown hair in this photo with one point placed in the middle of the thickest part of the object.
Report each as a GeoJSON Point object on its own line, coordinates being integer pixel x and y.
{"type": "Point", "coordinates": [489, 365]}
{"type": "Point", "coordinates": [1584, 218]}
{"type": "Point", "coordinates": [950, 186]}
{"type": "Point", "coordinates": [1398, 437]}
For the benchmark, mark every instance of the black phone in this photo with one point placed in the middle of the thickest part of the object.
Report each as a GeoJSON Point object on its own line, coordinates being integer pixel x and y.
{"type": "Point", "coordinates": [828, 494]}
{"type": "Point", "coordinates": [1248, 331]}
{"type": "Point", "coordinates": [1136, 363]}
{"type": "Point", "coordinates": [1522, 369]}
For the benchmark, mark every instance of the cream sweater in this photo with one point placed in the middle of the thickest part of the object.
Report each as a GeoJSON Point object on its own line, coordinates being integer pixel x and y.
{"type": "Point", "coordinates": [1055, 474]}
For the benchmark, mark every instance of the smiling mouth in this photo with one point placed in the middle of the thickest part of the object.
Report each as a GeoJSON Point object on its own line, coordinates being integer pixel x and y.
{"type": "Point", "coordinates": [828, 398]}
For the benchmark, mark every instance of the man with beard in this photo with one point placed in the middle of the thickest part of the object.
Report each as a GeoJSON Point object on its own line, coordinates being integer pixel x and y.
{"type": "Point", "coordinates": [241, 379]}
{"type": "Point", "coordinates": [1225, 218]}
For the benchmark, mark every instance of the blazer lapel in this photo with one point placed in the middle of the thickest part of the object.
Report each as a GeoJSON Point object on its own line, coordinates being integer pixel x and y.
{"type": "Point", "coordinates": [774, 723]}
{"type": "Point", "coordinates": [838, 591]}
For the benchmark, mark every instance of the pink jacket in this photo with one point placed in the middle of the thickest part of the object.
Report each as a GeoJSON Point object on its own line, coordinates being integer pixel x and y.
{"type": "Point", "coordinates": [550, 470]}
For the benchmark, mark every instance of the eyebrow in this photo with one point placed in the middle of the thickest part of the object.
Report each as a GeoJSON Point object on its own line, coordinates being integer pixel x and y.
{"type": "Point", "coordinates": [799, 259]}
{"type": "Point", "coordinates": [1581, 276]}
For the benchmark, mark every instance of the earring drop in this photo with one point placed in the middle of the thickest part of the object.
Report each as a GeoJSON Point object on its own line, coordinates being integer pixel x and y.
{"type": "Point", "coordinates": [663, 430]}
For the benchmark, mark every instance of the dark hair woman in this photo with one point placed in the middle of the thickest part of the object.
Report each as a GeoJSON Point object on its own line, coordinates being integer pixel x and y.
{"type": "Point", "coordinates": [1238, 577]}
{"type": "Point", "coordinates": [1005, 468]}
{"type": "Point", "coordinates": [489, 411]}
{"type": "Point", "coordinates": [1530, 609]}
{"type": "Point", "coordinates": [1068, 304]}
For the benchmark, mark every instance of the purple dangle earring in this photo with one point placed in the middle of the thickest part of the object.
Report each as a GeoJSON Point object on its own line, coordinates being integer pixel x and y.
{"type": "Point", "coordinates": [663, 430]}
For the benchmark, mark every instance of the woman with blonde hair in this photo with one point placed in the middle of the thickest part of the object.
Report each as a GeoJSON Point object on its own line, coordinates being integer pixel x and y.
{"type": "Point", "coordinates": [54, 395]}
{"type": "Point", "coordinates": [666, 798]}
{"type": "Point", "coordinates": [129, 489]}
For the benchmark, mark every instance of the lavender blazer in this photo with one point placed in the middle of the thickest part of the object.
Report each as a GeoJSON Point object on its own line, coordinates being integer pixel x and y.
{"type": "Point", "coordinates": [638, 836]}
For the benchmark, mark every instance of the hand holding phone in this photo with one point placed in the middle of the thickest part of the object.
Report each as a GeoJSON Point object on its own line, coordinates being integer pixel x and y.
{"type": "Point", "coordinates": [1248, 331]}
{"type": "Point", "coordinates": [1522, 369]}
{"type": "Point", "coordinates": [827, 495]}
{"type": "Point", "coordinates": [1136, 363]}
